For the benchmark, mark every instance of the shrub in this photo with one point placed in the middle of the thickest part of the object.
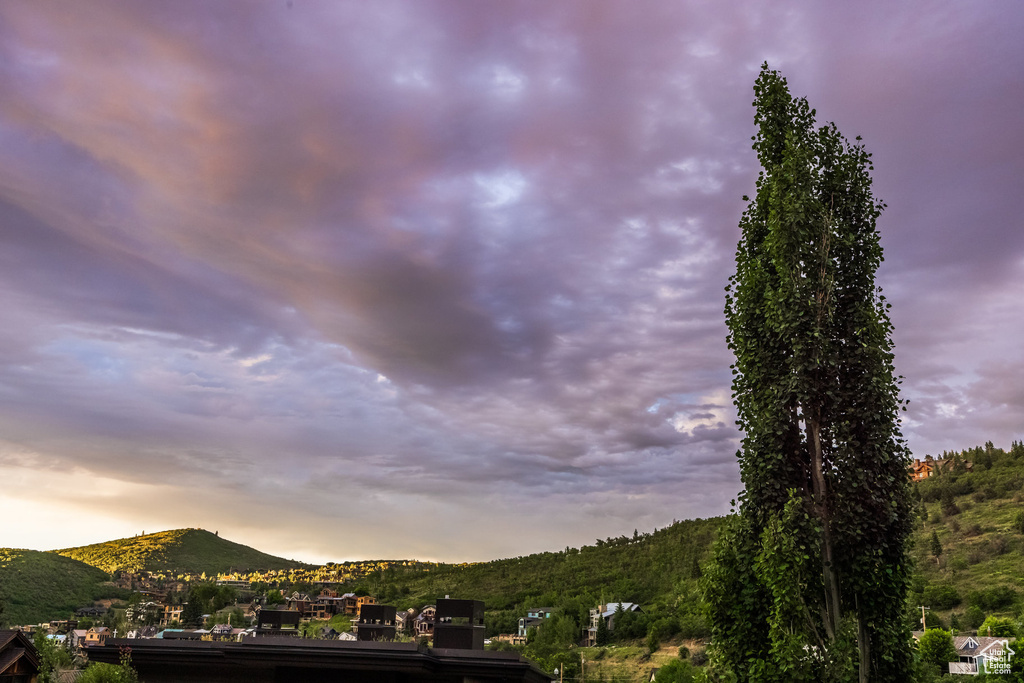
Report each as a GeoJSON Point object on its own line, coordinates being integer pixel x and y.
{"type": "Point", "coordinates": [956, 563]}
{"type": "Point", "coordinates": [941, 597]}
{"type": "Point", "coordinates": [693, 626]}
{"type": "Point", "coordinates": [973, 617]}
{"type": "Point", "coordinates": [676, 671]}
{"type": "Point", "coordinates": [936, 647]}
{"type": "Point", "coordinates": [992, 599]}
{"type": "Point", "coordinates": [948, 504]}
{"type": "Point", "coordinates": [999, 545]}
{"type": "Point", "coordinates": [684, 652]}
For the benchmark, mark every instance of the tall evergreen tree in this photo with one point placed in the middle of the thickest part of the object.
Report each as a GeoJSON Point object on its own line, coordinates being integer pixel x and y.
{"type": "Point", "coordinates": [813, 569]}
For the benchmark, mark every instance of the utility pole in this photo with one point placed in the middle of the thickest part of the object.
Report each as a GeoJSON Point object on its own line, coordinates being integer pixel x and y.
{"type": "Point", "coordinates": [924, 624]}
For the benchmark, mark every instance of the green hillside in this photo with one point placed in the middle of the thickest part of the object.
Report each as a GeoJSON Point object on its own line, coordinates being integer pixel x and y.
{"type": "Point", "coordinates": [183, 550]}
{"type": "Point", "coordinates": [977, 517]}
{"type": "Point", "coordinates": [37, 586]}
{"type": "Point", "coordinates": [659, 570]}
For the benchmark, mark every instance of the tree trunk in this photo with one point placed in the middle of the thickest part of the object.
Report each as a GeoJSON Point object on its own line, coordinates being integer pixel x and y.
{"type": "Point", "coordinates": [828, 569]}
{"type": "Point", "coordinates": [864, 646]}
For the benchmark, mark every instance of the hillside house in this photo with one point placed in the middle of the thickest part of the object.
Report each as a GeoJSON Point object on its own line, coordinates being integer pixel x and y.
{"type": "Point", "coordinates": [77, 637]}
{"type": "Point", "coordinates": [349, 604]}
{"type": "Point", "coordinates": [977, 652]}
{"type": "Point", "coordinates": [327, 604]}
{"type": "Point", "coordinates": [922, 469]}
{"type": "Point", "coordinates": [97, 635]}
{"type": "Point", "coordinates": [170, 614]}
{"type": "Point", "coordinates": [606, 613]}
{"type": "Point", "coordinates": [404, 620]}
{"type": "Point", "coordinates": [534, 618]}
{"type": "Point", "coordinates": [301, 603]}
{"type": "Point", "coordinates": [423, 624]}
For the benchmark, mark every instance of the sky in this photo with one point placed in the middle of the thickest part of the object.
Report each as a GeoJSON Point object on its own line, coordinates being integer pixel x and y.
{"type": "Point", "coordinates": [444, 279]}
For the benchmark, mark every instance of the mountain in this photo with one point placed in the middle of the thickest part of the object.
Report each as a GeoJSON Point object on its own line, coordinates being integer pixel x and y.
{"type": "Point", "coordinates": [37, 586]}
{"type": "Point", "coordinates": [182, 550]}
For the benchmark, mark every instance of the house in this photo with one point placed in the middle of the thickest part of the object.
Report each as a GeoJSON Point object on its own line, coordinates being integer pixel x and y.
{"type": "Point", "coordinates": [63, 626]}
{"type": "Point", "coordinates": [511, 638]}
{"type": "Point", "coordinates": [534, 618]}
{"type": "Point", "coordinates": [97, 635]}
{"type": "Point", "coordinates": [78, 638]}
{"type": "Point", "coordinates": [922, 469]}
{"type": "Point", "coordinates": [404, 620]}
{"type": "Point", "coordinates": [364, 600]}
{"type": "Point", "coordinates": [978, 654]}
{"type": "Point", "coordinates": [301, 603]}
{"type": "Point", "coordinates": [18, 658]}
{"type": "Point", "coordinates": [143, 632]}
{"type": "Point", "coordinates": [607, 614]}
{"type": "Point", "coordinates": [171, 614]}
{"type": "Point", "coordinates": [223, 632]}
{"type": "Point", "coordinates": [423, 625]}
{"type": "Point", "coordinates": [143, 611]}
{"type": "Point", "coordinates": [349, 605]}
{"type": "Point", "coordinates": [327, 604]}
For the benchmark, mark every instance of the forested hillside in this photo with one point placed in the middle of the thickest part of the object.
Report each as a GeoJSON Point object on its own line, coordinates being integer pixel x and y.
{"type": "Point", "coordinates": [191, 551]}
{"type": "Point", "coordinates": [969, 545]}
{"type": "Point", "coordinates": [658, 570]}
{"type": "Point", "coordinates": [37, 586]}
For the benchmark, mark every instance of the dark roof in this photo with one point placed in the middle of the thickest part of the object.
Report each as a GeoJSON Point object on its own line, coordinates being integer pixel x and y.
{"type": "Point", "coordinates": [15, 645]}
{"type": "Point", "coordinates": [270, 658]}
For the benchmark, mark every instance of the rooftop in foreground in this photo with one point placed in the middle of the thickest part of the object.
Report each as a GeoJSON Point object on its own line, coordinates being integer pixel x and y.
{"type": "Point", "coordinates": [274, 660]}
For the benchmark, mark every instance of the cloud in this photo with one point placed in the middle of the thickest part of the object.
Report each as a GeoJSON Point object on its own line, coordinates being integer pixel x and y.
{"type": "Point", "coordinates": [463, 265]}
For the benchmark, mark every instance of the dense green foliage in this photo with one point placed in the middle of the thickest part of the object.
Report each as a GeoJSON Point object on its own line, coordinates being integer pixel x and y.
{"type": "Point", "coordinates": [53, 657]}
{"type": "Point", "coordinates": [37, 586]}
{"type": "Point", "coordinates": [658, 570]}
{"type": "Point", "coordinates": [973, 512]}
{"type": "Point", "coordinates": [99, 672]}
{"type": "Point", "coordinates": [193, 551]}
{"type": "Point", "coordinates": [816, 560]}
{"type": "Point", "coordinates": [935, 647]}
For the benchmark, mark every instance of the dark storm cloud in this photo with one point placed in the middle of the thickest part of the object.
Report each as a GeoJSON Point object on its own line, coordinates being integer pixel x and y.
{"type": "Point", "coordinates": [462, 261]}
